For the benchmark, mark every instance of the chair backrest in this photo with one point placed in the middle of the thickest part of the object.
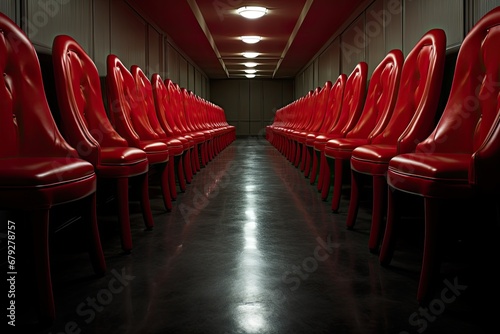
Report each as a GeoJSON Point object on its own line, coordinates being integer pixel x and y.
{"type": "Point", "coordinates": [310, 110]}
{"type": "Point", "coordinates": [84, 120]}
{"type": "Point", "coordinates": [380, 97]}
{"type": "Point", "coordinates": [470, 121]}
{"type": "Point", "coordinates": [320, 110]}
{"type": "Point", "coordinates": [175, 107]}
{"type": "Point", "coordinates": [145, 94]}
{"type": "Point", "coordinates": [126, 109]}
{"type": "Point", "coordinates": [353, 100]}
{"type": "Point", "coordinates": [162, 103]}
{"type": "Point", "coordinates": [419, 90]}
{"type": "Point", "coordinates": [334, 104]}
{"type": "Point", "coordinates": [27, 126]}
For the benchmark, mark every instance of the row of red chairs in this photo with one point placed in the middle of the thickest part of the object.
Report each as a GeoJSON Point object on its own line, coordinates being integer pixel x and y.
{"type": "Point", "coordinates": [151, 127]}
{"type": "Point", "coordinates": [389, 133]}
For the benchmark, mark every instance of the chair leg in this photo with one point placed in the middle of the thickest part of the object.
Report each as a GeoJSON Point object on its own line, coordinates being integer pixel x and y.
{"type": "Point", "coordinates": [314, 168]}
{"type": "Point", "coordinates": [171, 177]}
{"type": "Point", "coordinates": [124, 213]}
{"type": "Point", "coordinates": [337, 184]}
{"type": "Point", "coordinates": [95, 247]}
{"type": "Point", "coordinates": [145, 204]}
{"type": "Point", "coordinates": [181, 178]}
{"type": "Point", "coordinates": [165, 188]}
{"type": "Point", "coordinates": [327, 177]}
{"type": "Point", "coordinates": [431, 257]}
{"type": "Point", "coordinates": [39, 221]}
{"type": "Point", "coordinates": [188, 172]}
{"type": "Point", "coordinates": [379, 204]}
{"type": "Point", "coordinates": [352, 213]}
{"type": "Point", "coordinates": [390, 234]}
{"type": "Point", "coordinates": [322, 164]}
{"type": "Point", "coordinates": [308, 158]}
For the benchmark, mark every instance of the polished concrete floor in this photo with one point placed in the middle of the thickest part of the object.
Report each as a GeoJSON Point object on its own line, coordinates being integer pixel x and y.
{"type": "Point", "coordinates": [250, 247]}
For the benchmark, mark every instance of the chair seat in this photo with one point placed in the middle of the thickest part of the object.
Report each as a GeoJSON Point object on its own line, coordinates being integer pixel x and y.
{"type": "Point", "coordinates": [342, 148]}
{"type": "Point", "coordinates": [41, 182]}
{"type": "Point", "coordinates": [431, 175]}
{"type": "Point", "coordinates": [372, 159]}
{"type": "Point", "coordinates": [122, 162]}
{"type": "Point", "coordinates": [156, 151]}
{"type": "Point", "coordinates": [175, 146]}
{"type": "Point", "coordinates": [321, 140]}
{"type": "Point", "coordinates": [42, 171]}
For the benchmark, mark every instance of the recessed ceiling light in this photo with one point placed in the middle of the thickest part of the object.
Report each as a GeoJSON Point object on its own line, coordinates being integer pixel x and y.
{"type": "Point", "coordinates": [250, 64]}
{"type": "Point", "coordinates": [250, 54]}
{"type": "Point", "coordinates": [250, 71]}
{"type": "Point", "coordinates": [250, 39]}
{"type": "Point", "coordinates": [252, 12]}
{"type": "Point", "coordinates": [250, 75]}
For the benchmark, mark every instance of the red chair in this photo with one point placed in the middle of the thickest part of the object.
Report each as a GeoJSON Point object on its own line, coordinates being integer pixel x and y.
{"type": "Point", "coordinates": [174, 121]}
{"type": "Point", "coordinates": [162, 104]}
{"type": "Point", "coordinates": [352, 105]}
{"type": "Point", "coordinates": [129, 117]}
{"type": "Point", "coordinates": [86, 126]}
{"type": "Point", "coordinates": [379, 104]}
{"type": "Point", "coordinates": [460, 159]}
{"type": "Point", "coordinates": [311, 122]}
{"type": "Point", "coordinates": [333, 109]}
{"type": "Point", "coordinates": [38, 169]}
{"type": "Point", "coordinates": [412, 120]}
{"type": "Point", "coordinates": [320, 118]}
{"type": "Point", "coordinates": [175, 145]}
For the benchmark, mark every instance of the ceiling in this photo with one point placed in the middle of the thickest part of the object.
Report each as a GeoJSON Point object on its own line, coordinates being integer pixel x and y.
{"type": "Point", "coordinates": [207, 31]}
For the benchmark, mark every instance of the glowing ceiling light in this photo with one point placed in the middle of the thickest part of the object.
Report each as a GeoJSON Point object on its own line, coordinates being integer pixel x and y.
{"type": "Point", "coordinates": [250, 54]}
{"type": "Point", "coordinates": [250, 64]}
{"type": "Point", "coordinates": [252, 12]}
{"type": "Point", "coordinates": [250, 71]}
{"type": "Point", "coordinates": [251, 39]}
{"type": "Point", "coordinates": [250, 75]}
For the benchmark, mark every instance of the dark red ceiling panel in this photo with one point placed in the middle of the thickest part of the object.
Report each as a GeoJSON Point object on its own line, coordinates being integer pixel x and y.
{"type": "Point", "coordinates": [224, 25]}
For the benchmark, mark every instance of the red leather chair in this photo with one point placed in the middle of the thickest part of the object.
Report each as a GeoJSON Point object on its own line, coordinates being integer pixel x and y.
{"type": "Point", "coordinates": [379, 104]}
{"type": "Point", "coordinates": [333, 108]}
{"type": "Point", "coordinates": [175, 123]}
{"type": "Point", "coordinates": [162, 104]}
{"type": "Point", "coordinates": [311, 122]}
{"type": "Point", "coordinates": [38, 168]}
{"type": "Point", "coordinates": [460, 159]}
{"type": "Point", "coordinates": [175, 145]}
{"type": "Point", "coordinates": [412, 120]}
{"type": "Point", "coordinates": [320, 118]}
{"type": "Point", "coordinates": [352, 105]}
{"type": "Point", "coordinates": [129, 117]}
{"type": "Point", "coordinates": [86, 126]}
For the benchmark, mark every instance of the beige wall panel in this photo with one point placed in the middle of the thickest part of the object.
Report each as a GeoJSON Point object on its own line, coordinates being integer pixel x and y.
{"type": "Point", "coordinates": [102, 31]}
{"type": "Point", "coordinates": [353, 45]}
{"type": "Point", "coordinates": [256, 100]}
{"type": "Point", "coordinates": [423, 15]}
{"type": "Point", "coordinates": [309, 79]}
{"type": "Point", "coordinates": [479, 8]}
{"type": "Point", "coordinates": [155, 52]}
{"type": "Point", "coordinates": [191, 77]}
{"type": "Point", "coordinates": [244, 100]}
{"type": "Point", "coordinates": [273, 99]}
{"type": "Point", "coordinates": [375, 37]}
{"type": "Point", "coordinates": [183, 72]}
{"type": "Point", "coordinates": [198, 83]}
{"type": "Point", "coordinates": [172, 64]}
{"type": "Point", "coordinates": [393, 24]}
{"type": "Point", "coordinates": [128, 35]}
{"type": "Point", "coordinates": [9, 8]}
{"type": "Point", "coordinates": [47, 19]}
